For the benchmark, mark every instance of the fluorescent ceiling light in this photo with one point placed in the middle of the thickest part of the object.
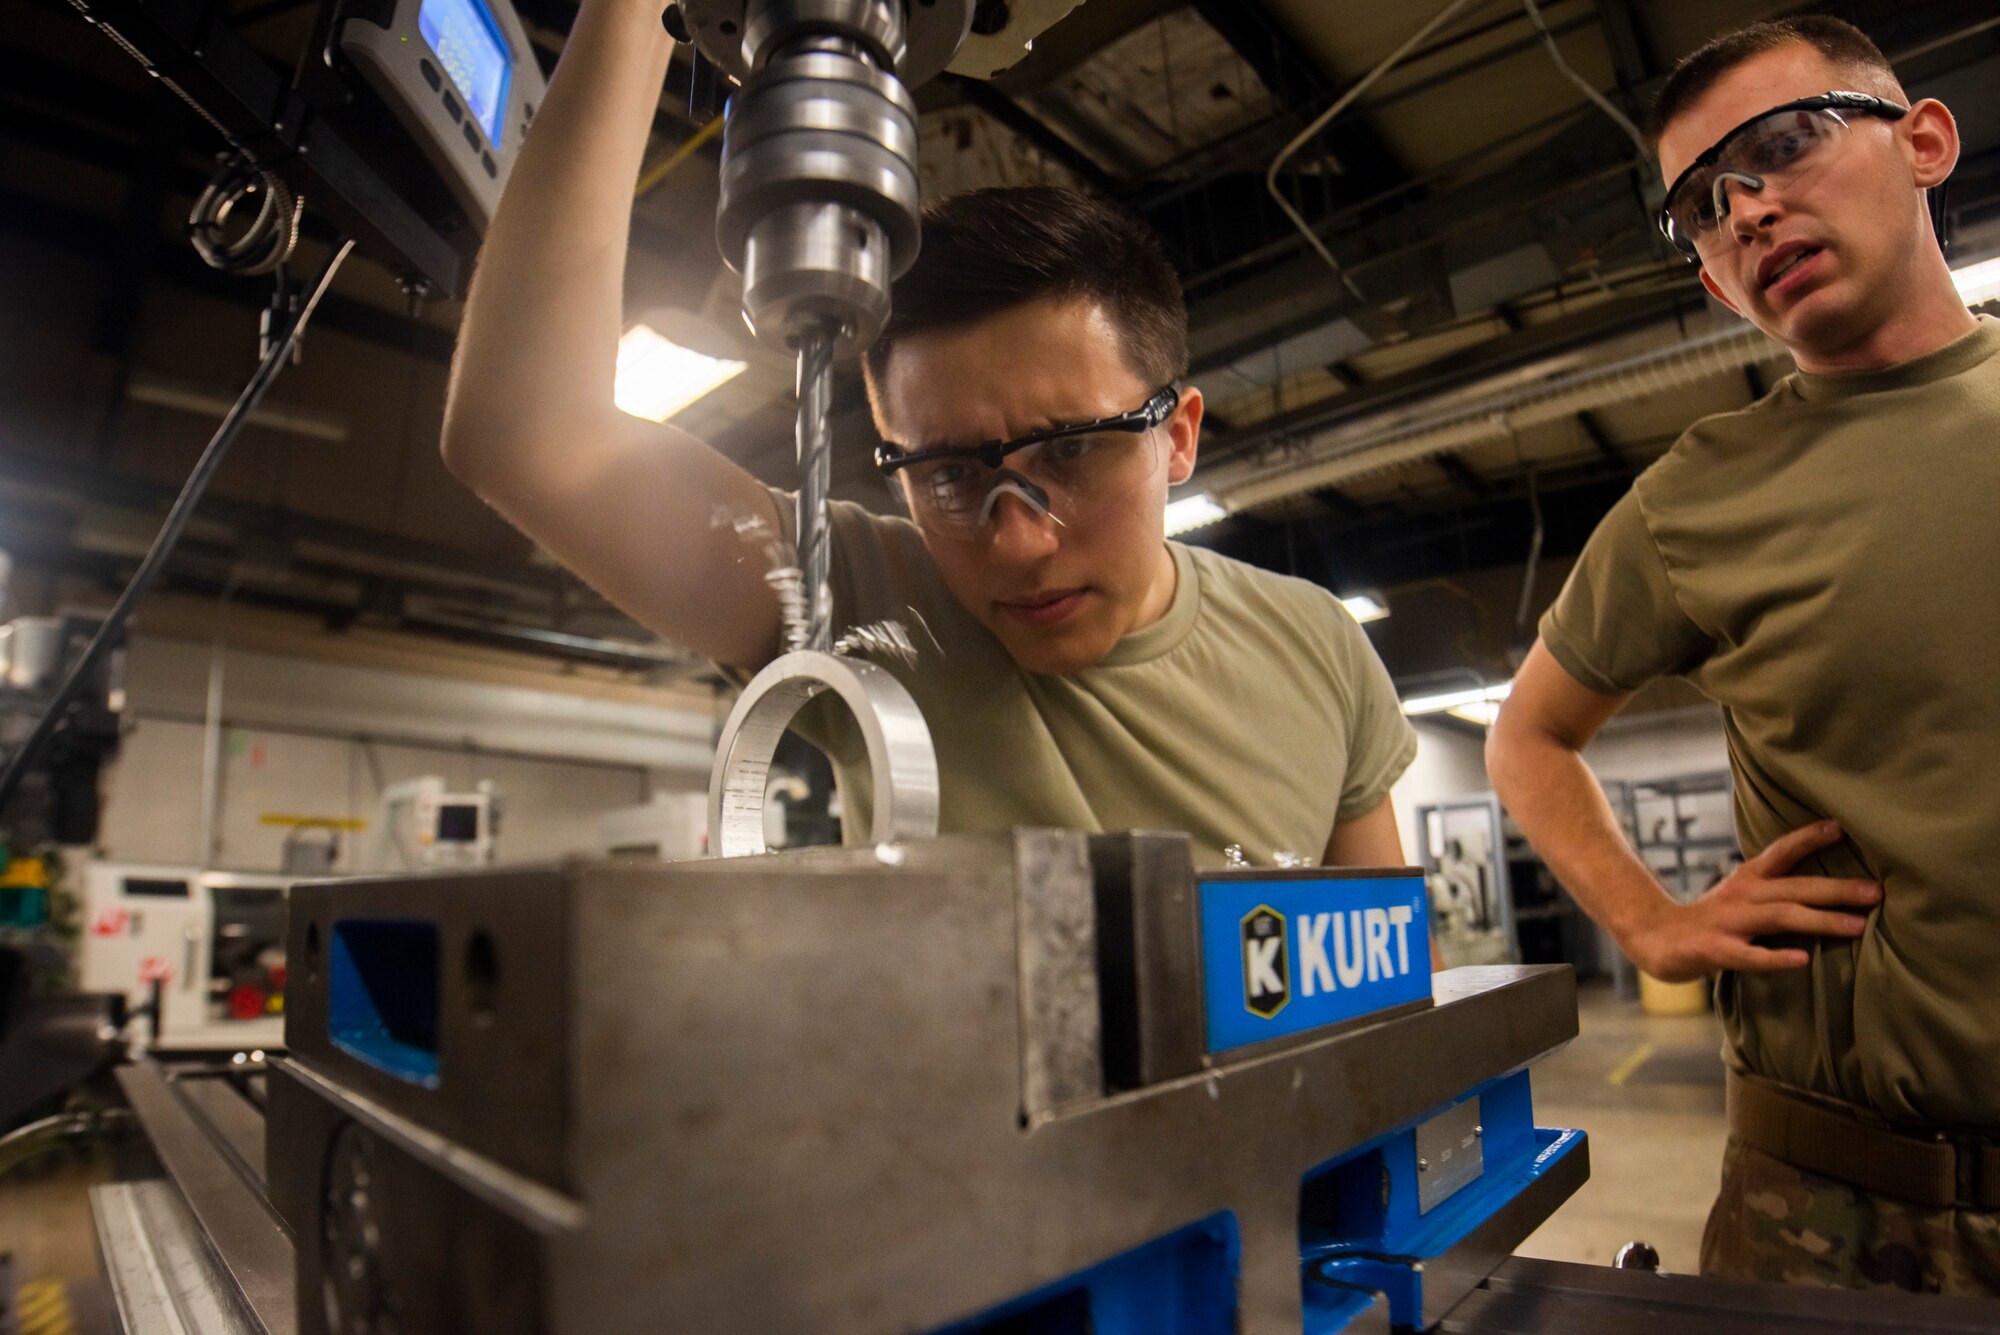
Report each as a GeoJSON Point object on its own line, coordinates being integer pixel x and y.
{"type": "Point", "coordinates": [1450, 702]}
{"type": "Point", "coordinates": [658, 378]}
{"type": "Point", "coordinates": [1979, 282]}
{"type": "Point", "coordinates": [164, 392]}
{"type": "Point", "coordinates": [1482, 712]}
{"type": "Point", "coordinates": [1365, 607]}
{"type": "Point", "coordinates": [1192, 512]}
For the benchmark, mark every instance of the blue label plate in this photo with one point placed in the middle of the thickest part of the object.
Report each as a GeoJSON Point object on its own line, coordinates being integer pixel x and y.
{"type": "Point", "coordinates": [1284, 955]}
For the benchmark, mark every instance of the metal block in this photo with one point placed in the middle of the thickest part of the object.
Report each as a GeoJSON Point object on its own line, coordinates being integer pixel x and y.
{"type": "Point", "coordinates": [838, 1091]}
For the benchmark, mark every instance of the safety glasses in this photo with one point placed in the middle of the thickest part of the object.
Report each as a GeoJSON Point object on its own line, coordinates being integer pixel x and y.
{"type": "Point", "coordinates": [1778, 147]}
{"type": "Point", "coordinates": [1059, 471]}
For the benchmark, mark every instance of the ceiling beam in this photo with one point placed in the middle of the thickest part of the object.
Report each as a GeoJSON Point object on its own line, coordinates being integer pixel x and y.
{"type": "Point", "coordinates": [1586, 326]}
{"type": "Point", "coordinates": [1299, 86]}
{"type": "Point", "coordinates": [1593, 431]}
{"type": "Point", "coordinates": [1035, 132]}
{"type": "Point", "coordinates": [1339, 502]}
{"type": "Point", "coordinates": [1463, 474]}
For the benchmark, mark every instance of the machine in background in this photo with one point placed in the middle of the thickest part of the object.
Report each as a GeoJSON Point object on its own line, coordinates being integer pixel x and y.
{"type": "Point", "coordinates": [58, 800]}
{"type": "Point", "coordinates": [1494, 899]}
{"type": "Point", "coordinates": [421, 823]}
{"type": "Point", "coordinates": [210, 945]}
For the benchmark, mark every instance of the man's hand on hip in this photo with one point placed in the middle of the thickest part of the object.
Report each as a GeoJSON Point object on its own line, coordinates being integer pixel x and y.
{"type": "Point", "coordinates": [1675, 942]}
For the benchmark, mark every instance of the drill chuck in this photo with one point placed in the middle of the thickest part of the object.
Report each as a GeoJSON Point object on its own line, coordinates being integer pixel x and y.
{"type": "Point", "coordinates": [819, 179]}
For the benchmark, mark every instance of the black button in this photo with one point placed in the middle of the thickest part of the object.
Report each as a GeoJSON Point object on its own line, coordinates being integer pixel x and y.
{"type": "Point", "coordinates": [430, 73]}
{"type": "Point", "coordinates": [451, 107]}
{"type": "Point", "coordinates": [471, 139]}
{"type": "Point", "coordinates": [486, 161]}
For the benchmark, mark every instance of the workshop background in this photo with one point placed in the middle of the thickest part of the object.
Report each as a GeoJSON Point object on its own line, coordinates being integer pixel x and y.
{"type": "Point", "coordinates": [1436, 428]}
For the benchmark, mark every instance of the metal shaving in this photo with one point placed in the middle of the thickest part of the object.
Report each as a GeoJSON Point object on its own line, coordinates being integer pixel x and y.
{"type": "Point", "coordinates": [789, 583]}
{"type": "Point", "coordinates": [881, 639]}
{"type": "Point", "coordinates": [782, 574]}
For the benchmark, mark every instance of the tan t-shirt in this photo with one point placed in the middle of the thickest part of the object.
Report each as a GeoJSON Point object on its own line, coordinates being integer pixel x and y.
{"type": "Point", "coordinates": [1825, 564]}
{"type": "Point", "coordinates": [1255, 712]}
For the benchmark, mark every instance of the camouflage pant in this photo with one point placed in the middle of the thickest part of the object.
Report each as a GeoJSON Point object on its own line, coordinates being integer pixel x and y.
{"type": "Point", "coordinates": [1772, 1221]}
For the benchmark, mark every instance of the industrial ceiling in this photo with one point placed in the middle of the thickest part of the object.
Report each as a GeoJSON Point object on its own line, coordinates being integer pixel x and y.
{"type": "Point", "coordinates": [1498, 345]}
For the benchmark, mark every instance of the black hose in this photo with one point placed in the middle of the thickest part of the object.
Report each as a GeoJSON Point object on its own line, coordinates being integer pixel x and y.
{"type": "Point", "coordinates": [177, 518]}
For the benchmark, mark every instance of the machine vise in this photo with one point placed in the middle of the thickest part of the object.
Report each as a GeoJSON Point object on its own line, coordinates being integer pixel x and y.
{"type": "Point", "coordinates": [1035, 1081]}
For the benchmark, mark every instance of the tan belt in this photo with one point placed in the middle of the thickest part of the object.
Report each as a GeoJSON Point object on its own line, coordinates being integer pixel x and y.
{"type": "Point", "coordinates": [1935, 1170]}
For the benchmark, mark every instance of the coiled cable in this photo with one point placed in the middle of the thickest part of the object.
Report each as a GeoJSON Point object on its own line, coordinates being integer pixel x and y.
{"type": "Point", "coordinates": [267, 241]}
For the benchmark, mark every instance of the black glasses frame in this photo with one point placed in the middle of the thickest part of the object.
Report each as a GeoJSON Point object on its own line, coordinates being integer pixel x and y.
{"type": "Point", "coordinates": [1861, 104]}
{"type": "Point", "coordinates": [1148, 415]}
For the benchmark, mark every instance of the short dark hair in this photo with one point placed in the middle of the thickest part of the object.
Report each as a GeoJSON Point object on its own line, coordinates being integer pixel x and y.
{"type": "Point", "coordinates": [1840, 42]}
{"type": "Point", "coordinates": [988, 251]}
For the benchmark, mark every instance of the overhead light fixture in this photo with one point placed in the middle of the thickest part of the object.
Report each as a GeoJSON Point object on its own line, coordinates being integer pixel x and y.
{"type": "Point", "coordinates": [1193, 512]}
{"type": "Point", "coordinates": [658, 377]}
{"type": "Point", "coordinates": [1477, 704]}
{"type": "Point", "coordinates": [1365, 607]}
{"type": "Point", "coordinates": [1979, 282]}
{"type": "Point", "coordinates": [165, 392]}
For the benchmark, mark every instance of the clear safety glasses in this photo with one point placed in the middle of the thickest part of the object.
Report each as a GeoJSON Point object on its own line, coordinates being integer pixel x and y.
{"type": "Point", "coordinates": [1060, 471]}
{"type": "Point", "coordinates": [1781, 146]}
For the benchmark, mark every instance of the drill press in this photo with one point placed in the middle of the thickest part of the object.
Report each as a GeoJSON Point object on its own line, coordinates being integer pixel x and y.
{"type": "Point", "coordinates": [819, 195]}
{"type": "Point", "coordinates": [819, 214]}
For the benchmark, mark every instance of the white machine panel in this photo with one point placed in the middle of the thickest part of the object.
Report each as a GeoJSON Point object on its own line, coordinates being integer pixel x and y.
{"type": "Point", "coordinates": [214, 941]}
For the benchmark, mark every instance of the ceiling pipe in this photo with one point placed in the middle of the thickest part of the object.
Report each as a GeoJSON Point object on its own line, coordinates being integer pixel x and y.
{"type": "Point", "coordinates": [1325, 118]}
{"type": "Point", "coordinates": [1374, 445]}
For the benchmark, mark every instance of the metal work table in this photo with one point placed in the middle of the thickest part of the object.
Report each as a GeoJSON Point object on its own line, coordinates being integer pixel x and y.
{"type": "Point", "coordinates": [858, 1091]}
{"type": "Point", "coordinates": [201, 1251]}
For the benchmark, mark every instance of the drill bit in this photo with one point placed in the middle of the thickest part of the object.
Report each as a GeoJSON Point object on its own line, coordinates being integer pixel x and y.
{"type": "Point", "coordinates": [815, 387]}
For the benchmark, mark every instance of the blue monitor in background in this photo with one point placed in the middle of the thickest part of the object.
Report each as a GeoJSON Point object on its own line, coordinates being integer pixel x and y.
{"type": "Point", "coordinates": [469, 47]}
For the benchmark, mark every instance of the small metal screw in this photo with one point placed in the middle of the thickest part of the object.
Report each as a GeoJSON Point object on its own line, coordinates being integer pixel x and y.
{"type": "Point", "coordinates": [1423, 1165]}
{"type": "Point", "coordinates": [1479, 1131]}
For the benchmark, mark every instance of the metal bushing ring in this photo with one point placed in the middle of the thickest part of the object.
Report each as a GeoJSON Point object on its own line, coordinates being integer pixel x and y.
{"type": "Point", "coordinates": [901, 758]}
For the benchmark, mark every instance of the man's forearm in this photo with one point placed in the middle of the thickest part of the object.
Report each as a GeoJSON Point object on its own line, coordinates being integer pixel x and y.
{"type": "Point", "coordinates": [1561, 807]}
{"type": "Point", "coordinates": [538, 347]}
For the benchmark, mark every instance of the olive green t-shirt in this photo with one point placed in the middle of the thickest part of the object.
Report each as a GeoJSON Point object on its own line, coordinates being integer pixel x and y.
{"type": "Point", "coordinates": [1254, 712]}
{"type": "Point", "coordinates": [1825, 564]}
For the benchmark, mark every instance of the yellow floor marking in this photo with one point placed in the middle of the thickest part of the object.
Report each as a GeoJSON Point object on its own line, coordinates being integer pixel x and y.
{"type": "Point", "coordinates": [1633, 1061]}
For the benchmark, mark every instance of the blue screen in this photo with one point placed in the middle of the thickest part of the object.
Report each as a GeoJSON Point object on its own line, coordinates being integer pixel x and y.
{"type": "Point", "coordinates": [468, 45]}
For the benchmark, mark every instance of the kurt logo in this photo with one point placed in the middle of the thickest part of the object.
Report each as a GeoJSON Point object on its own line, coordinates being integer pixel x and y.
{"type": "Point", "coordinates": [1359, 951]}
{"type": "Point", "coordinates": [1266, 962]}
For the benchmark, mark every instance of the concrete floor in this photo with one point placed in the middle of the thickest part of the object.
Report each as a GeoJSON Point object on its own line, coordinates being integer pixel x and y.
{"type": "Point", "coordinates": [46, 1230]}
{"type": "Point", "coordinates": [1648, 1091]}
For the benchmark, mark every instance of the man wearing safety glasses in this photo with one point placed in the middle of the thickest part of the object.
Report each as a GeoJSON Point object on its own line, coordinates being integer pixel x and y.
{"type": "Point", "coordinates": [1821, 564]}
{"type": "Point", "coordinates": [1076, 669]}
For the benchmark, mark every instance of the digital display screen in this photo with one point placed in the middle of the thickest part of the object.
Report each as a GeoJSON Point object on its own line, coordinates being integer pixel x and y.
{"type": "Point", "coordinates": [468, 45]}
{"type": "Point", "coordinates": [458, 823]}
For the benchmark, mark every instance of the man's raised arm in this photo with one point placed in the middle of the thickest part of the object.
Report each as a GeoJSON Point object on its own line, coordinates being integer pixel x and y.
{"type": "Point", "coordinates": [530, 424]}
{"type": "Point", "coordinates": [1533, 755]}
